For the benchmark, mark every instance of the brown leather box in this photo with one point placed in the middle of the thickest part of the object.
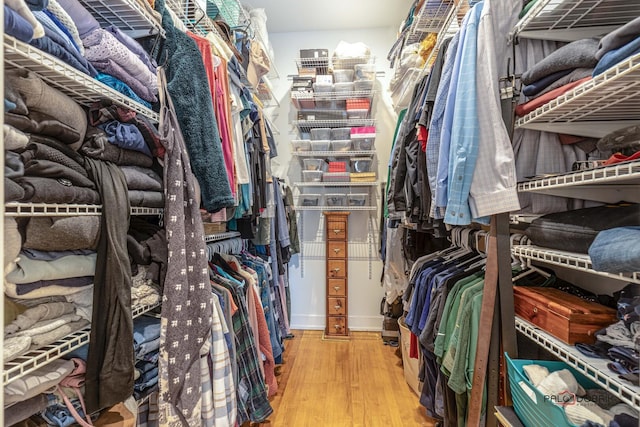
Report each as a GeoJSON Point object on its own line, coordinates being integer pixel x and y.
{"type": "Point", "coordinates": [567, 317]}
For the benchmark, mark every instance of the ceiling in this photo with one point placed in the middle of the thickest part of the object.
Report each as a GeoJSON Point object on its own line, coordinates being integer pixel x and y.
{"type": "Point", "coordinates": [318, 15]}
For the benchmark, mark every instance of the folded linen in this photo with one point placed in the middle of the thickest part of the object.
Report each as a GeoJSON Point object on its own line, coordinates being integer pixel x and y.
{"type": "Point", "coordinates": [36, 314]}
{"type": "Point", "coordinates": [38, 124]}
{"type": "Point", "coordinates": [577, 54]}
{"type": "Point", "coordinates": [10, 290]}
{"type": "Point", "coordinates": [58, 333]}
{"type": "Point", "coordinates": [70, 282]}
{"type": "Point", "coordinates": [29, 270]}
{"type": "Point", "coordinates": [65, 19]}
{"type": "Point", "coordinates": [113, 68]}
{"type": "Point", "coordinates": [134, 47]}
{"type": "Point", "coordinates": [147, 199]}
{"type": "Point", "coordinates": [14, 347]}
{"type": "Point", "coordinates": [38, 381]}
{"type": "Point", "coordinates": [16, 26]}
{"type": "Point", "coordinates": [62, 233]}
{"type": "Point", "coordinates": [54, 170]}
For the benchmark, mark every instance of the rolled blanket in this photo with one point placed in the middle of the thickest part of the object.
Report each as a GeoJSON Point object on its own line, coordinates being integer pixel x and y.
{"type": "Point", "coordinates": [577, 54]}
{"type": "Point", "coordinates": [47, 190]}
{"type": "Point", "coordinates": [62, 233]}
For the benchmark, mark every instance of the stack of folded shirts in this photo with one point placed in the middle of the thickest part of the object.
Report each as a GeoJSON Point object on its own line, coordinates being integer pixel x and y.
{"type": "Point", "coordinates": [146, 343]}
{"type": "Point", "coordinates": [566, 68]}
{"type": "Point", "coordinates": [617, 46]}
{"type": "Point", "coordinates": [363, 176]}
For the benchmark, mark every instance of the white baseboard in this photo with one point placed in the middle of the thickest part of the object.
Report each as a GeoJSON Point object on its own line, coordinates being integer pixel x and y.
{"type": "Point", "coordinates": [317, 322]}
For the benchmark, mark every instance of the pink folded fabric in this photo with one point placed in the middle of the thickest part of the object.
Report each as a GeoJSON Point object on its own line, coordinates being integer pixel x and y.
{"type": "Point", "coordinates": [528, 107]}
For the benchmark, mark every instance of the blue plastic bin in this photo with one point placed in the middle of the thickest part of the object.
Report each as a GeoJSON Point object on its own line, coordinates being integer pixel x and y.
{"type": "Point", "coordinates": [531, 406]}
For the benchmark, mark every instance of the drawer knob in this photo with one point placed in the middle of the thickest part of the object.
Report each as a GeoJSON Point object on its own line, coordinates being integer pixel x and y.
{"type": "Point", "coordinates": [337, 269]}
{"type": "Point", "coordinates": [337, 327]}
{"type": "Point", "coordinates": [337, 288]}
{"type": "Point", "coordinates": [337, 307]}
{"type": "Point", "coordinates": [336, 250]}
{"type": "Point", "coordinates": [337, 230]}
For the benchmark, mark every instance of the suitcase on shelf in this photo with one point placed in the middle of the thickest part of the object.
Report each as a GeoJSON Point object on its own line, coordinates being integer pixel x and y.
{"type": "Point", "coordinates": [565, 316]}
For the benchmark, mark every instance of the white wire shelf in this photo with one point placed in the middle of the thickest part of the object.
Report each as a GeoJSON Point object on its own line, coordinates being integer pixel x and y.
{"type": "Point", "coordinates": [332, 96]}
{"type": "Point", "coordinates": [593, 184]}
{"type": "Point", "coordinates": [356, 251]}
{"type": "Point", "coordinates": [35, 359]}
{"type": "Point", "coordinates": [216, 237]}
{"type": "Point", "coordinates": [522, 218]}
{"type": "Point", "coordinates": [431, 18]}
{"type": "Point", "coordinates": [571, 260]}
{"type": "Point", "coordinates": [606, 103]}
{"type": "Point", "coordinates": [568, 20]}
{"type": "Point", "coordinates": [128, 15]}
{"type": "Point", "coordinates": [325, 63]}
{"type": "Point", "coordinates": [192, 15]}
{"type": "Point", "coordinates": [336, 208]}
{"type": "Point", "coordinates": [332, 153]}
{"type": "Point", "coordinates": [448, 28]}
{"type": "Point", "coordinates": [15, 209]}
{"type": "Point", "coordinates": [593, 368]}
{"type": "Point", "coordinates": [79, 86]}
{"type": "Point", "coordinates": [310, 124]}
{"type": "Point", "coordinates": [336, 184]}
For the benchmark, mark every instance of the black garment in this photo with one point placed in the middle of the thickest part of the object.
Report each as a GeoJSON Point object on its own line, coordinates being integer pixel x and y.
{"type": "Point", "coordinates": [110, 363]}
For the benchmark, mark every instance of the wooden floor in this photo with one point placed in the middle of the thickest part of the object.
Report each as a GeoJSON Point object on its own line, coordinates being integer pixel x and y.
{"type": "Point", "coordinates": [343, 383]}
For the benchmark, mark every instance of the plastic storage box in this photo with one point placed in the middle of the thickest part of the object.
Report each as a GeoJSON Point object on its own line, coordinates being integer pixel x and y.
{"type": "Point", "coordinates": [320, 133]}
{"type": "Point", "coordinates": [312, 176]}
{"type": "Point", "coordinates": [357, 114]}
{"type": "Point", "coordinates": [310, 199]}
{"type": "Point", "coordinates": [362, 144]}
{"type": "Point", "coordinates": [323, 87]}
{"type": "Point", "coordinates": [335, 199]}
{"type": "Point", "coordinates": [365, 72]}
{"type": "Point", "coordinates": [366, 85]}
{"type": "Point", "coordinates": [341, 133]}
{"type": "Point", "coordinates": [336, 177]}
{"type": "Point", "coordinates": [342, 76]}
{"type": "Point", "coordinates": [320, 145]}
{"type": "Point", "coordinates": [361, 164]}
{"type": "Point", "coordinates": [341, 145]}
{"type": "Point", "coordinates": [313, 164]}
{"type": "Point", "coordinates": [357, 199]}
{"type": "Point", "coordinates": [301, 145]}
{"type": "Point", "coordinates": [343, 87]}
{"type": "Point", "coordinates": [531, 406]}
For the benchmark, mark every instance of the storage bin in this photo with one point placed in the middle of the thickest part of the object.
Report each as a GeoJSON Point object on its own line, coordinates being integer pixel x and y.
{"type": "Point", "coordinates": [357, 199]}
{"type": "Point", "coordinates": [365, 72]}
{"type": "Point", "coordinates": [361, 164]}
{"type": "Point", "coordinates": [313, 164]}
{"type": "Point", "coordinates": [336, 177]}
{"type": "Point", "coordinates": [341, 145]}
{"type": "Point", "coordinates": [301, 145]}
{"type": "Point", "coordinates": [322, 114]}
{"type": "Point", "coordinates": [365, 85]}
{"type": "Point", "coordinates": [532, 407]}
{"type": "Point", "coordinates": [362, 144]}
{"type": "Point", "coordinates": [305, 136]}
{"type": "Point", "coordinates": [358, 104]}
{"type": "Point", "coordinates": [335, 199]}
{"type": "Point", "coordinates": [343, 87]}
{"type": "Point", "coordinates": [322, 87]}
{"type": "Point", "coordinates": [341, 133]}
{"type": "Point", "coordinates": [357, 114]}
{"type": "Point", "coordinates": [337, 166]}
{"type": "Point", "coordinates": [410, 366]}
{"type": "Point", "coordinates": [310, 199]}
{"type": "Point", "coordinates": [320, 145]}
{"type": "Point", "coordinates": [312, 176]}
{"type": "Point", "coordinates": [320, 133]}
{"type": "Point", "coordinates": [342, 76]}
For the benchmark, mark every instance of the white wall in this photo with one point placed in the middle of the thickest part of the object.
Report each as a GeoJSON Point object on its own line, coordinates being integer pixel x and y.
{"type": "Point", "coordinates": [307, 274]}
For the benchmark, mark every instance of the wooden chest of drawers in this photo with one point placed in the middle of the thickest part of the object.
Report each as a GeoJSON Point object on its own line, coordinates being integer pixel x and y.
{"type": "Point", "coordinates": [337, 274]}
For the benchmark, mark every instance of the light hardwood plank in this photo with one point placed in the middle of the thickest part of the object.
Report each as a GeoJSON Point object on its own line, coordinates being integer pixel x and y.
{"type": "Point", "coordinates": [357, 382]}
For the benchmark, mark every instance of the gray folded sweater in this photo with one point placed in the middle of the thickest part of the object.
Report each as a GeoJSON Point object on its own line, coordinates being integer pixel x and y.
{"type": "Point", "coordinates": [577, 54]}
{"type": "Point", "coordinates": [619, 37]}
